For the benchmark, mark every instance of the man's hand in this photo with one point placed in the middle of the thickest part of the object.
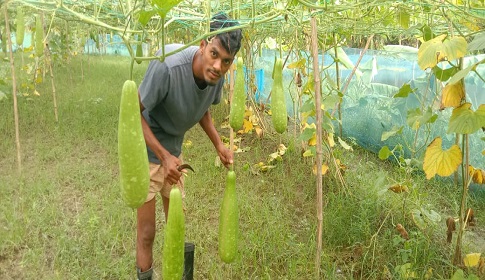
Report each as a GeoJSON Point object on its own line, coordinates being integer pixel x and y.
{"type": "Point", "coordinates": [170, 166]}
{"type": "Point", "coordinates": [226, 155]}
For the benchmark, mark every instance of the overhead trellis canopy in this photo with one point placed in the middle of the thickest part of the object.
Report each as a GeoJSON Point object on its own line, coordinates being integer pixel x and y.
{"type": "Point", "coordinates": [188, 20]}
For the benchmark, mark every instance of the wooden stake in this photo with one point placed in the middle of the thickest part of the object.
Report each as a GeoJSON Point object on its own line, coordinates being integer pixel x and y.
{"type": "Point", "coordinates": [319, 155]}
{"type": "Point", "coordinates": [14, 92]}
{"type": "Point", "coordinates": [231, 91]}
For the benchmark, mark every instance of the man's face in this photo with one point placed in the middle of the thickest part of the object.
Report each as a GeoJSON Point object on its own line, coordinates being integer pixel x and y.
{"type": "Point", "coordinates": [216, 61]}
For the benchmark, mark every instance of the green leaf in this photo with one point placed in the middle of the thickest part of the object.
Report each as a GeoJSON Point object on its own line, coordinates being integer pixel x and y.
{"type": "Point", "coordinates": [300, 64]}
{"type": "Point", "coordinates": [464, 121]}
{"type": "Point", "coordinates": [416, 118]}
{"type": "Point", "coordinates": [404, 91]}
{"type": "Point", "coordinates": [395, 130]}
{"type": "Point", "coordinates": [164, 6]}
{"type": "Point", "coordinates": [2, 95]}
{"type": "Point", "coordinates": [461, 74]}
{"type": "Point", "coordinates": [439, 49]}
{"type": "Point", "coordinates": [309, 86]}
{"type": "Point", "coordinates": [385, 153]}
{"type": "Point", "coordinates": [427, 33]}
{"type": "Point", "coordinates": [444, 75]}
{"type": "Point", "coordinates": [423, 217]}
{"type": "Point", "coordinates": [307, 134]}
{"type": "Point", "coordinates": [145, 16]}
{"type": "Point", "coordinates": [310, 152]}
{"type": "Point", "coordinates": [458, 275]}
{"type": "Point", "coordinates": [345, 145]}
{"type": "Point", "coordinates": [327, 124]}
{"type": "Point", "coordinates": [308, 106]}
{"type": "Point", "coordinates": [478, 43]}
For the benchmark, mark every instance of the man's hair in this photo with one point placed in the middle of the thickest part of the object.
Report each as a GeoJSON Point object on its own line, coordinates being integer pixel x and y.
{"type": "Point", "coordinates": [230, 40]}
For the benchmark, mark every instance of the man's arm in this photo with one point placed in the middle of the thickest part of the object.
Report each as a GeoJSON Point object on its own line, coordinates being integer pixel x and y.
{"type": "Point", "coordinates": [225, 154]}
{"type": "Point", "coordinates": [167, 160]}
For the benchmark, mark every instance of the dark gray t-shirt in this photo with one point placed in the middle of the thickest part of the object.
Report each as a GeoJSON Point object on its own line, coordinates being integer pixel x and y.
{"type": "Point", "coordinates": [173, 102]}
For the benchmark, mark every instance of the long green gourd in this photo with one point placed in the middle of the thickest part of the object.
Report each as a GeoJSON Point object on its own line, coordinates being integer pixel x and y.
{"type": "Point", "coordinates": [229, 221]}
{"type": "Point", "coordinates": [20, 31]}
{"type": "Point", "coordinates": [39, 37]}
{"type": "Point", "coordinates": [132, 152]}
{"type": "Point", "coordinates": [139, 52]}
{"type": "Point", "coordinates": [278, 103]}
{"type": "Point", "coordinates": [238, 102]}
{"type": "Point", "coordinates": [173, 244]}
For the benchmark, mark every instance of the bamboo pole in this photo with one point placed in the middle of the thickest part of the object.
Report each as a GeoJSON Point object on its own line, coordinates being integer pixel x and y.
{"type": "Point", "coordinates": [14, 92]}
{"type": "Point", "coordinates": [231, 91]}
{"type": "Point", "coordinates": [319, 155]}
{"type": "Point", "coordinates": [47, 52]}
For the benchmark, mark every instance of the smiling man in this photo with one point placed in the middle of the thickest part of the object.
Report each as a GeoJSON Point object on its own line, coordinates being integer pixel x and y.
{"type": "Point", "coordinates": [174, 96]}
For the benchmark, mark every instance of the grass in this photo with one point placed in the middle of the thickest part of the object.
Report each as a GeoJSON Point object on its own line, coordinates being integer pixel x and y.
{"type": "Point", "coordinates": [62, 216]}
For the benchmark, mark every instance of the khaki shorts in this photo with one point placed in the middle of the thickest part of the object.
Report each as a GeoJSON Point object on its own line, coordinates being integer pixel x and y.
{"type": "Point", "coordinates": [158, 185]}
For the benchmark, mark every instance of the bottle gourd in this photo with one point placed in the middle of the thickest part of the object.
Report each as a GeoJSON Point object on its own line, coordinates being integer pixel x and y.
{"type": "Point", "coordinates": [132, 152]}
{"type": "Point", "coordinates": [238, 102]}
{"type": "Point", "coordinates": [229, 221]}
{"type": "Point", "coordinates": [173, 244]}
{"type": "Point", "coordinates": [278, 103]}
{"type": "Point", "coordinates": [20, 31]}
{"type": "Point", "coordinates": [39, 37]}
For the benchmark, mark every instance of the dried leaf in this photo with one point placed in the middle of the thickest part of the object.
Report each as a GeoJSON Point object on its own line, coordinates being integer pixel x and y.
{"type": "Point", "coordinates": [398, 188]}
{"type": "Point", "coordinates": [313, 140]}
{"type": "Point", "coordinates": [331, 141]}
{"type": "Point", "coordinates": [324, 169]}
{"type": "Point", "coordinates": [471, 260]}
{"type": "Point", "coordinates": [402, 231]}
{"type": "Point", "coordinates": [259, 132]}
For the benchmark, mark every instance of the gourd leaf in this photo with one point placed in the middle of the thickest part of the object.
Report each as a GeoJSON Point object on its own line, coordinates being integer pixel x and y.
{"type": "Point", "coordinates": [394, 130]}
{"type": "Point", "coordinates": [478, 43]}
{"type": "Point", "coordinates": [446, 74]}
{"type": "Point", "coordinates": [384, 153]}
{"type": "Point", "coordinates": [439, 49]}
{"type": "Point", "coordinates": [452, 95]}
{"type": "Point", "coordinates": [145, 16]}
{"type": "Point", "coordinates": [404, 91]}
{"type": "Point", "coordinates": [164, 6]}
{"type": "Point", "coordinates": [464, 121]}
{"type": "Point", "coordinates": [308, 132]}
{"type": "Point", "coordinates": [462, 74]}
{"type": "Point", "coordinates": [416, 118]}
{"type": "Point", "coordinates": [427, 33]}
{"type": "Point", "coordinates": [344, 144]}
{"type": "Point", "coordinates": [300, 64]}
{"type": "Point", "coordinates": [439, 161]}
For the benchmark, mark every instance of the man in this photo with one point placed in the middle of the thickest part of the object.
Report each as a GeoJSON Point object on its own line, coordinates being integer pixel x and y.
{"type": "Point", "coordinates": [174, 96]}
